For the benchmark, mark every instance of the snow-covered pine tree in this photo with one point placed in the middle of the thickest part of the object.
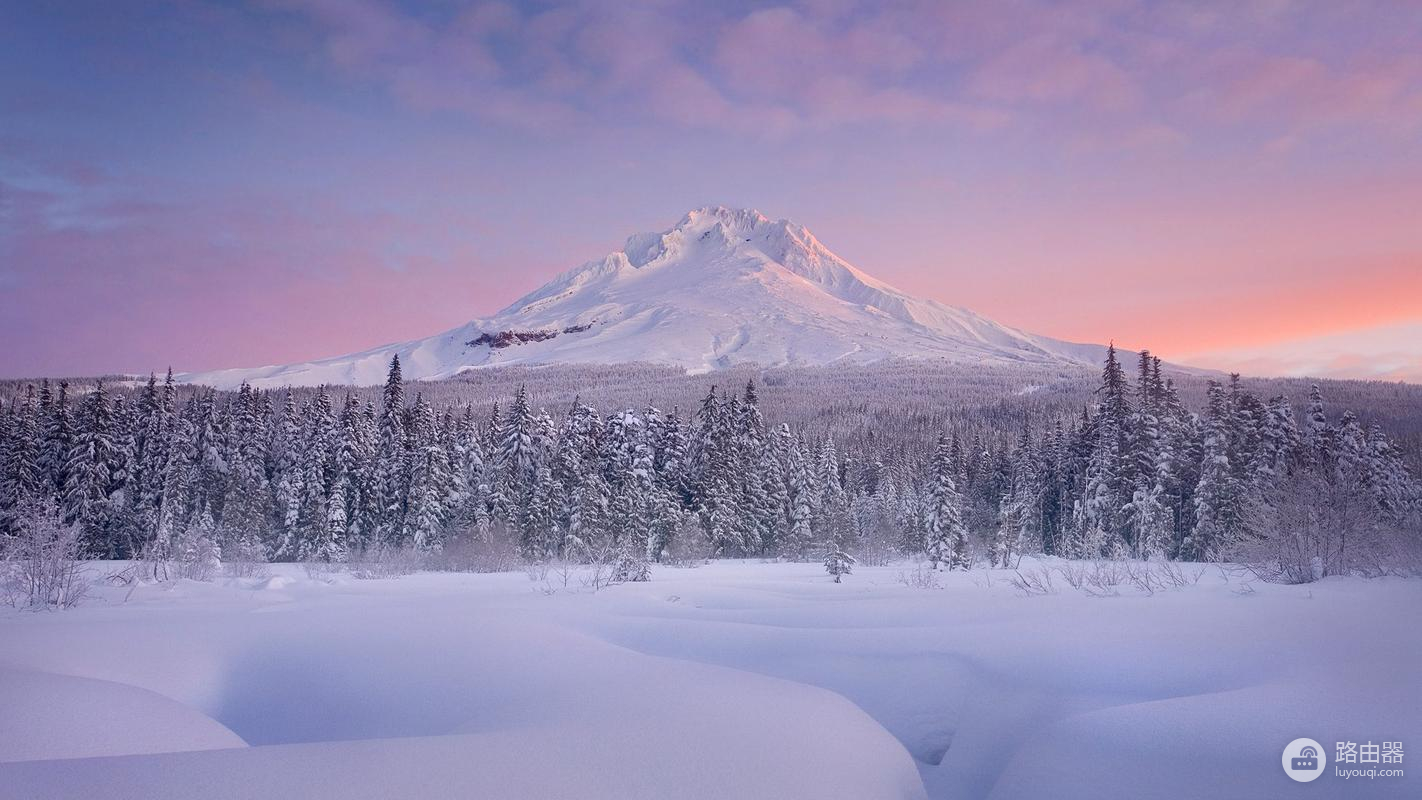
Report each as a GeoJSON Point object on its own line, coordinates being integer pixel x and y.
{"type": "Point", "coordinates": [284, 444]}
{"type": "Point", "coordinates": [671, 460]}
{"type": "Point", "coordinates": [1247, 420]}
{"type": "Point", "coordinates": [316, 467]}
{"type": "Point", "coordinates": [716, 477]}
{"type": "Point", "coordinates": [666, 445]}
{"type": "Point", "coordinates": [580, 508]}
{"type": "Point", "coordinates": [58, 441]}
{"type": "Point", "coordinates": [756, 471]}
{"type": "Point", "coordinates": [176, 510]}
{"type": "Point", "coordinates": [143, 417]}
{"type": "Point", "coordinates": [159, 417]}
{"type": "Point", "coordinates": [1110, 471]}
{"type": "Point", "coordinates": [1317, 435]}
{"type": "Point", "coordinates": [470, 511]}
{"type": "Point", "coordinates": [245, 518]}
{"type": "Point", "coordinates": [391, 461]}
{"type": "Point", "coordinates": [802, 491]}
{"type": "Point", "coordinates": [838, 561]}
{"type": "Point", "coordinates": [1182, 453]}
{"type": "Point", "coordinates": [93, 457]}
{"type": "Point", "coordinates": [212, 425]}
{"type": "Point", "coordinates": [364, 510]}
{"type": "Point", "coordinates": [22, 482]}
{"type": "Point", "coordinates": [515, 461]}
{"type": "Point", "coordinates": [1020, 527]}
{"type": "Point", "coordinates": [431, 479]}
{"type": "Point", "coordinates": [538, 534]}
{"type": "Point", "coordinates": [1280, 447]}
{"type": "Point", "coordinates": [124, 530]}
{"type": "Point", "coordinates": [947, 538]}
{"type": "Point", "coordinates": [1218, 496]}
{"type": "Point", "coordinates": [1394, 491]}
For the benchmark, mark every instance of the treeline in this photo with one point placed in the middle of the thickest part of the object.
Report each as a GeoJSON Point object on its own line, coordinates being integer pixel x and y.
{"type": "Point", "coordinates": [256, 475]}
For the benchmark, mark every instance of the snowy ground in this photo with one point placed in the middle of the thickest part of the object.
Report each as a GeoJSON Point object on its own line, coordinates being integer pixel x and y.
{"type": "Point", "coordinates": [735, 679]}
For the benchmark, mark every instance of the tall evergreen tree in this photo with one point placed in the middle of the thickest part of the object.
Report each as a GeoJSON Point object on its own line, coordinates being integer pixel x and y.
{"type": "Point", "coordinates": [947, 538]}
{"type": "Point", "coordinates": [392, 480]}
{"type": "Point", "coordinates": [22, 482]}
{"type": "Point", "coordinates": [1217, 497]}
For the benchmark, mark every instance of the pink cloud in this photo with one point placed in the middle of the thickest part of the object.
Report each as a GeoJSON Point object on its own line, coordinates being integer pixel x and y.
{"type": "Point", "coordinates": [1292, 92]}
{"type": "Point", "coordinates": [1046, 69]}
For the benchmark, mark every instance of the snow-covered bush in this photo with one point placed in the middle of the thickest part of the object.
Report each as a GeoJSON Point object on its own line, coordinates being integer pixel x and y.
{"type": "Point", "coordinates": [197, 556]}
{"type": "Point", "coordinates": [838, 563]}
{"type": "Point", "coordinates": [629, 566]}
{"type": "Point", "coordinates": [1310, 526]}
{"type": "Point", "coordinates": [385, 562]}
{"type": "Point", "coordinates": [472, 550]}
{"type": "Point", "coordinates": [689, 548]}
{"type": "Point", "coordinates": [41, 566]}
{"type": "Point", "coordinates": [244, 557]}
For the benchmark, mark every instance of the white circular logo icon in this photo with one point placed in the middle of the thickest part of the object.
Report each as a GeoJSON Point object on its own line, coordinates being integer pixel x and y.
{"type": "Point", "coordinates": [1304, 760]}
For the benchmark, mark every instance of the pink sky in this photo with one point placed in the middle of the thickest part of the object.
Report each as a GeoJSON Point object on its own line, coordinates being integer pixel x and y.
{"type": "Point", "coordinates": [210, 185]}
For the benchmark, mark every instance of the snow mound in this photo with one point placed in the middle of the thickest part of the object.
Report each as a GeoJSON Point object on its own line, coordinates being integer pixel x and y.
{"type": "Point", "coordinates": [48, 716]}
{"type": "Point", "coordinates": [276, 583]}
{"type": "Point", "coordinates": [425, 692]}
{"type": "Point", "coordinates": [733, 679]}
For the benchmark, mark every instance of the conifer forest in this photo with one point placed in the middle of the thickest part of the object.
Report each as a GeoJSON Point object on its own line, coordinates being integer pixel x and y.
{"type": "Point", "coordinates": [256, 476]}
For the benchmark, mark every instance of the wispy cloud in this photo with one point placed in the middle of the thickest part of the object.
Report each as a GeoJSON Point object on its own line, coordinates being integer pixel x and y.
{"type": "Point", "coordinates": [1251, 165]}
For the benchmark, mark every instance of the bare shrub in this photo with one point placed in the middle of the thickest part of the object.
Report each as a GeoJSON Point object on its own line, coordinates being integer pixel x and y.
{"type": "Point", "coordinates": [553, 577]}
{"type": "Point", "coordinates": [1142, 576]}
{"type": "Point", "coordinates": [1033, 582]}
{"type": "Point", "coordinates": [41, 561]}
{"type": "Point", "coordinates": [1103, 578]}
{"type": "Point", "coordinates": [1176, 576]}
{"type": "Point", "coordinates": [153, 563]}
{"type": "Point", "coordinates": [922, 576]}
{"type": "Point", "coordinates": [1073, 573]}
{"type": "Point", "coordinates": [599, 570]}
{"type": "Point", "coordinates": [537, 570]}
{"type": "Point", "coordinates": [246, 569]}
{"type": "Point", "coordinates": [322, 571]}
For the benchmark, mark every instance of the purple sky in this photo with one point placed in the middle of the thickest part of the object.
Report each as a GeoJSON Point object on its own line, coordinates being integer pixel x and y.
{"type": "Point", "coordinates": [212, 184]}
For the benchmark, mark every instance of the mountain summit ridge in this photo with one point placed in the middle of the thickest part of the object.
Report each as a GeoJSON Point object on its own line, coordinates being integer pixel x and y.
{"type": "Point", "coordinates": [723, 286]}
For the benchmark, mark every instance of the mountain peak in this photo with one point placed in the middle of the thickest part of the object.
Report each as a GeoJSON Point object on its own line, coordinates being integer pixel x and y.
{"type": "Point", "coordinates": [723, 286]}
{"type": "Point", "coordinates": [738, 220]}
{"type": "Point", "coordinates": [722, 228]}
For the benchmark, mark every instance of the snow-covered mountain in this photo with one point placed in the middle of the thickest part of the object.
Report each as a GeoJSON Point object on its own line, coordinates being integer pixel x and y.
{"type": "Point", "coordinates": [724, 286]}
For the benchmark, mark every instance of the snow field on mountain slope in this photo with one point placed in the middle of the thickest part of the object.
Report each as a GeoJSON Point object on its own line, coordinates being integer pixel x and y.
{"type": "Point", "coordinates": [722, 287]}
{"type": "Point", "coordinates": [734, 679]}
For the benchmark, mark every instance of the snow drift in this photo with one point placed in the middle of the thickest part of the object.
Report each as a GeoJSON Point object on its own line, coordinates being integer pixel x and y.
{"type": "Point", "coordinates": [734, 679]}
{"type": "Point", "coordinates": [303, 689]}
